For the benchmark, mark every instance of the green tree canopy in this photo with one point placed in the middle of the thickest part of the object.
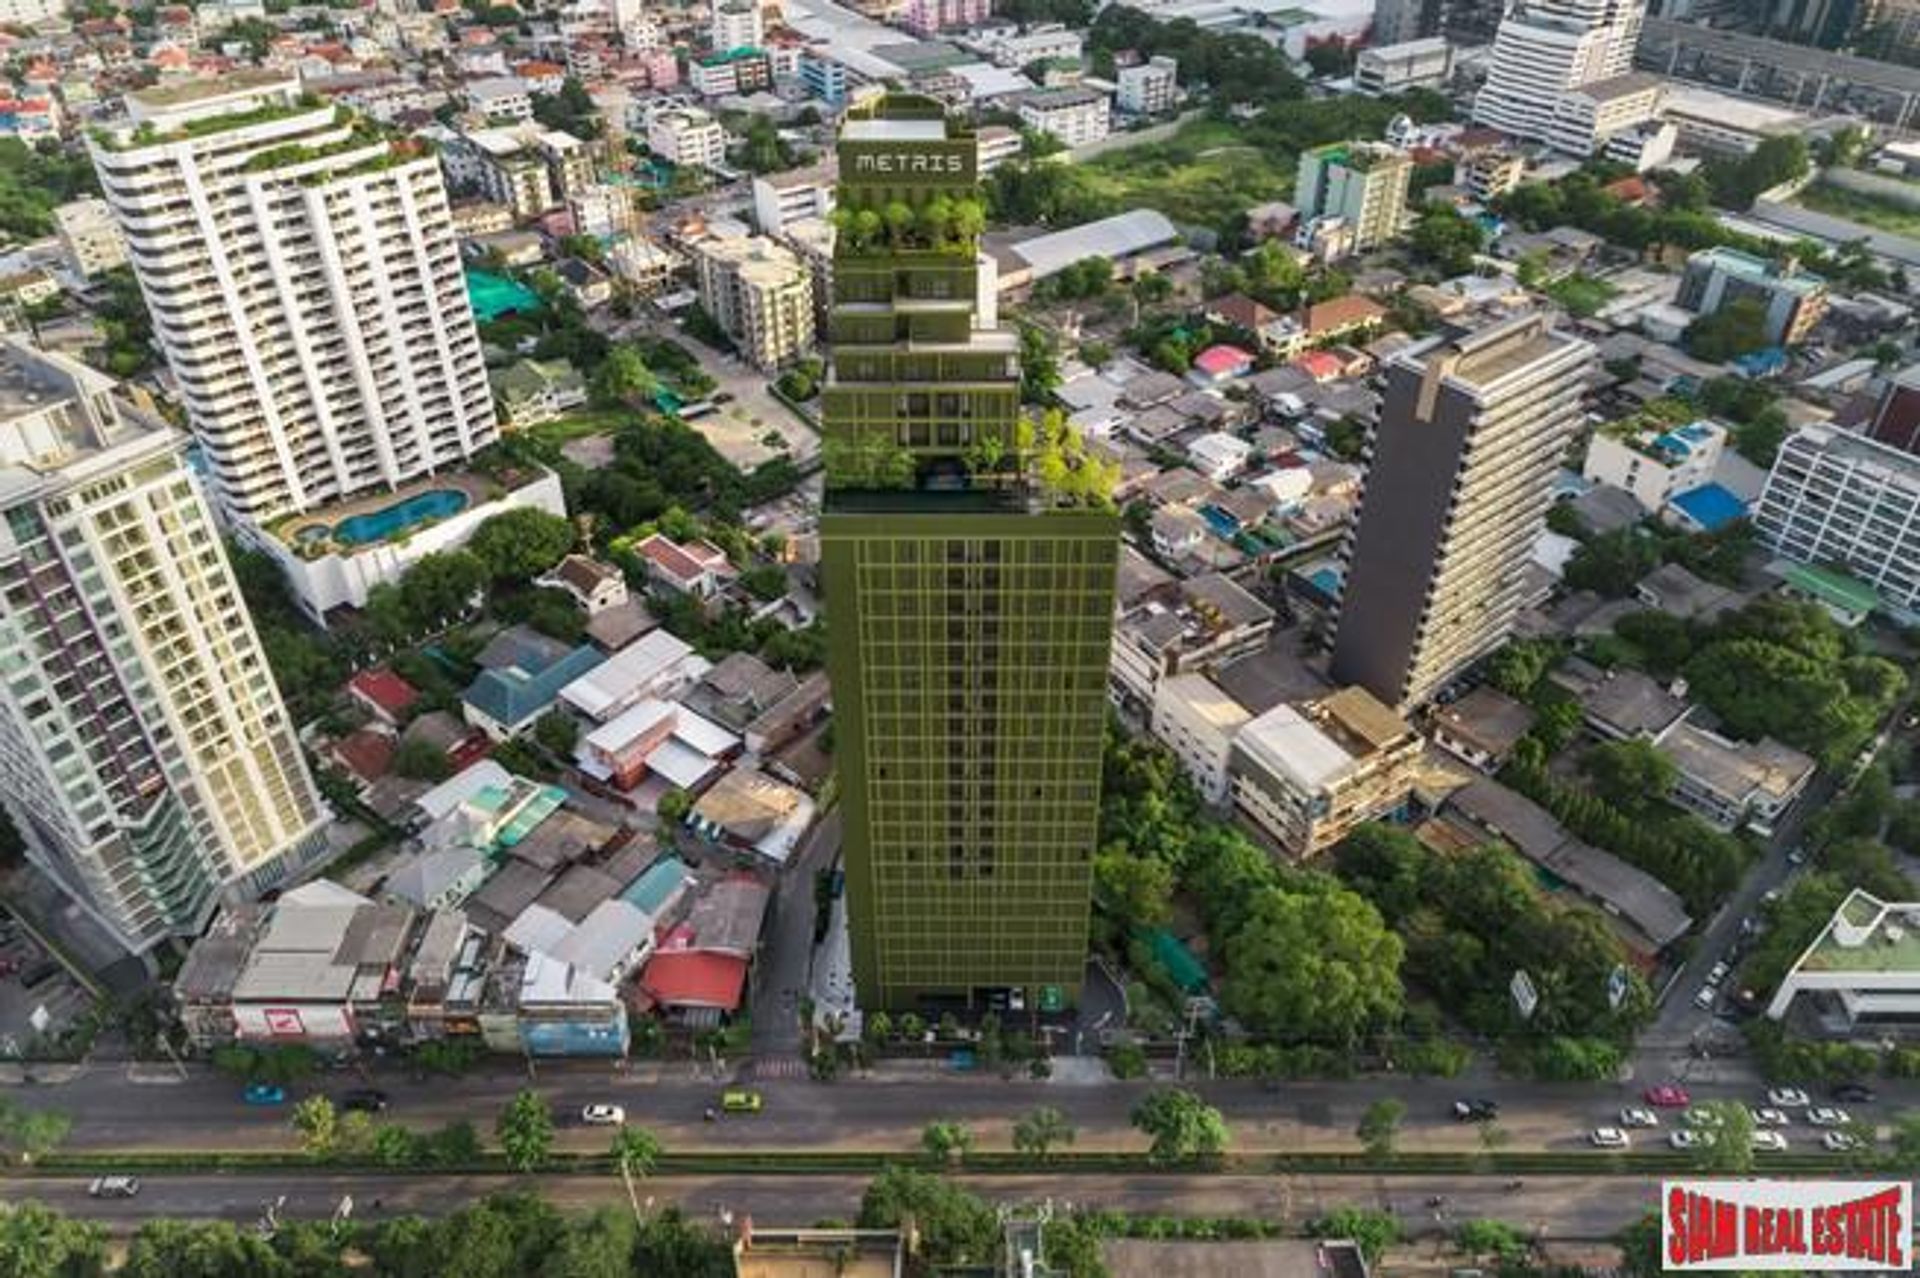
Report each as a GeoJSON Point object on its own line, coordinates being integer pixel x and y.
{"type": "Point", "coordinates": [1315, 964]}
{"type": "Point", "coordinates": [1180, 1125]}
{"type": "Point", "coordinates": [525, 1130]}
{"type": "Point", "coordinates": [521, 544]}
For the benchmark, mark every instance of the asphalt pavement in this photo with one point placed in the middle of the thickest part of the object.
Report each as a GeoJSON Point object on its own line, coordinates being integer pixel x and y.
{"type": "Point", "coordinates": [1550, 1207]}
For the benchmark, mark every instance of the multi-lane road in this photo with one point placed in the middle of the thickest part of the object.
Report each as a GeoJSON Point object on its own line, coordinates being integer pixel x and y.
{"type": "Point", "coordinates": [1555, 1207]}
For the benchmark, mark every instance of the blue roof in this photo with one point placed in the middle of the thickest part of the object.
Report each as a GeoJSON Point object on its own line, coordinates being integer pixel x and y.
{"type": "Point", "coordinates": [654, 886]}
{"type": "Point", "coordinates": [1771, 359]}
{"type": "Point", "coordinates": [1709, 506]}
{"type": "Point", "coordinates": [511, 696]}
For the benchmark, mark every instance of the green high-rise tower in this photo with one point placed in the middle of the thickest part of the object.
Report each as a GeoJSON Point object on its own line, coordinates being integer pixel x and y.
{"type": "Point", "coordinates": [969, 562]}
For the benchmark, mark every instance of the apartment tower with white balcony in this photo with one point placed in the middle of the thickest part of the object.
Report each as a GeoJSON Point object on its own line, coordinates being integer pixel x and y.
{"type": "Point", "coordinates": [1546, 49]}
{"type": "Point", "coordinates": [305, 284]}
{"type": "Point", "coordinates": [145, 755]}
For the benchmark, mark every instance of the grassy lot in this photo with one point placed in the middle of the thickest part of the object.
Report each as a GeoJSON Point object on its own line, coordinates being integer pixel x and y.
{"type": "Point", "coordinates": [1203, 174]}
{"type": "Point", "coordinates": [577, 425]}
{"type": "Point", "coordinates": [1582, 295]}
{"type": "Point", "coordinates": [1882, 215]}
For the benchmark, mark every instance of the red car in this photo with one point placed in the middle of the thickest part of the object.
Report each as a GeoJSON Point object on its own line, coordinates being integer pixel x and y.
{"type": "Point", "coordinates": [1668, 1096]}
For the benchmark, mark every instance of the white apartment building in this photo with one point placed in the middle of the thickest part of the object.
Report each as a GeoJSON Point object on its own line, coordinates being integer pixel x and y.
{"type": "Point", "coordinates": [1073, 117]}
{"type": "Point", "coordinates": [996, 144]}
{"type": "Point", "coordinates": [501, 97]}
{"type": "Point", "coordinates": [89, 237]}
{"type": "Point", "coordinates": [24, 13]}
{"type": "Point", "coordinates": [761, 294]}
{"type": "Point", "coordinates": [1866, 961]}
{"type": "Point", "coordinates": [1021, 49]}
{"type": "Point", "coordinates": [305, 285]}
{"type": "Point", "coordinates": [1835, 498]}
{"type": "Point", "coordinates": [1150, 87]}
{"type": "Point", "coordinates": [688, 137]}
{"type": "Point", "coordinates": [1655, 465]}
{"type": "Point", "coordinates": [1536, 60]}
{"type": "Point", "coordinates": [735, 24]}
{"type": "Point", "coordinates": [1308, 775]}
{"type": "Point", "coordinates": [1198, 721]}
{"type": "Point", "coordinates": [781, 199]}
{"type": "Point", "coordinates": [1584, 119]}
{"type": "Point", "coordinates": [1395, 68]}
{"type": "Point", "coordinates": [145, 755]}
{"type": "Point", "coordinates": [527, 168]}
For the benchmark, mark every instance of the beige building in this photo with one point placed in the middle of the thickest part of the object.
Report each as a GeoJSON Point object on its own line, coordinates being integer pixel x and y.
{"type": "Point", "coordinates": [1362, 184]}
{"type": "Point", "coordinates": [1197, 720]}
{"type": "Point", "coordinates": [818, 1253]}
{"type": "Point", "coordinates": [145, 755]}
{"type": "Point", "coordinates": [1307, 776]}
{"type": "Point", "coordinates": [90, 238]}
{"type": "Point", "coordinates": [761, 294]}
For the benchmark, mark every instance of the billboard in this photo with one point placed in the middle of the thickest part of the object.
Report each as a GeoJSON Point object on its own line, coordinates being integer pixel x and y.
{"type": "Point", "coordinates": [1798, 1225]}
{"type": "Point", "coordinates": [290, 1022]}
{"type": "Point", "coordinates": [953, 162]}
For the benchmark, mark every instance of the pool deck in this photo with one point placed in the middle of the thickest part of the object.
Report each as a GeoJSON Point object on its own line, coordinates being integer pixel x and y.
{"type": "Point", "coordinates": [478, 488]}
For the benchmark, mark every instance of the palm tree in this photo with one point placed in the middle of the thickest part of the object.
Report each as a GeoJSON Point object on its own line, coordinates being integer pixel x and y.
{"type": "Point", "coordinates": [636, 1150]}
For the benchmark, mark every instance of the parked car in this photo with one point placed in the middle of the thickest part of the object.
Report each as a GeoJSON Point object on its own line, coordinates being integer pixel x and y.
{"type": "Point", "coordinates": [1770, 1142]}
{"type": "Point", "coordinates": [1704, 999]}
{"type": "Point", "coordinates": [1828, 1116]}
{"type": "Point", "coordinates": [1634, 1117]}
{"type": "Point", "coordinates": [1770, 1117]}
{"type": "Point", "coordinates": [1686, 1139]}
{"type": "Point", "coordinates": [741, 1101]}
{"type": "Point", "coordinates": [264, 1094]}
{"type": "Point", "coordinates": [1704, 1118]}
{"type": "Point", "coordinates": [366, 1100]}
{"type": "Point", "coordinates": [1668, 1096]}
{"type": "Point", "coordinates": [114, 1187]}
{"type": "Point", "coordinates": [1718, 974]}
{"type": "Point", "coordinates": [1855, 1093]}
{"type": "Point", "coordinates": [1788, 1097]}
{"type": "Point", "coordinates": [1839, 1142]}
{"type": "Point", "coordinates": [1608, 1138]}
{"type": "Point", "coordinates": [603, 1115]}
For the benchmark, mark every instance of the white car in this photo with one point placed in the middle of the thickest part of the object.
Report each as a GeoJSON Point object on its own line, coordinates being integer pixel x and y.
{"type": "Point", "coordinates": [1704, 999]}
{"type": "Point", "coordinates": [1684, 1139]}
{"type": "Point", "coordinates": [1828, 1116]}
{"type": "Point", "coordinates": [603, 1115]}
{"type": "Point", "coordinates": [1770, 1117]}
{"type": "Point", "coordinates": [1788, 1097]}
{"type": "Point", "coordinates": [1840, 1142]}
{"type": "Point", "coordinates": [1697, 1117]}
{"type": "Point", "coordinates": [114, 1187]}
{"type": "Point", "coordinates": [1718, 974]}
{"type": "Point", "coordinates": [1770, 1142]}
{"type": "Point", "coordinates": [1608, 1138]}
{"type": "Point", "coordinates": [1639, 1118]}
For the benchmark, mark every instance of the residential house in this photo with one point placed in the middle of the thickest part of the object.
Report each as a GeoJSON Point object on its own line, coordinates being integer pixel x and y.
{"type": "Point", "coordinates": [594, 586]}
{"type": "Point", "coordinates": [697, 568]}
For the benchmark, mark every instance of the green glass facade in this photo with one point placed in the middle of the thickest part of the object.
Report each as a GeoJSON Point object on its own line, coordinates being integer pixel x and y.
{"type": "Point", "coordinates": [969, 616]}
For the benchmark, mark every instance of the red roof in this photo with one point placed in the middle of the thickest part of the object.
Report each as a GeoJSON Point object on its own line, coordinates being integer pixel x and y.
{"type": "Point", "coordinates": [1319, 365]}
{"type": "Point", "coordinates": [539, 70]}
{"type": "Point", "coordinates": [385, 689]}
{"type": "Point", "coordinates": [1216, 360]}
{"type": "Point", "coordinates": [1629, 190]}
{"type": "Point", "coordinates": [691, 978]}
{"type": "Point", "coordinates": [366, 754]}
{"type": "Point", "coordinates": [1343, 312]}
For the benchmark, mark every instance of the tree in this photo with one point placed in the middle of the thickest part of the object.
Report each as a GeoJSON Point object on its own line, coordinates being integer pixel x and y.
{"type": "Point", "coordinates": [1374, 1231]}
{"type": "Point", "coordinates": [1611, 564]}
{"type": "Point", "coordinates": [673, 806]}
{"type": "Point", "coordinates": [1631, 775]}
{"type": "Point", "coordinates": [558, 732]}
{"type": "Point", "coordinates": [1039, 1130]}
{"type": "Point", "coordinates": [1180, 1125]}
{"type": "Point", "coordinates": [38, 1242]}
{"type": "Point", "coordinates": [525, 1131]}
{"type": "Point", "coordinates": [623, 379]}
{"type": "Point", "coordinates": [1730, 1151]}
{"type": "Point", "coordinates": [947, 1140]}
{"type": "Point", "coordinates": [1347, 438]}
{"type": "Point", "coordinates": [956, 1228]}
{"type": "Point", "coordinates": [1039, 366]}
{"type": "Point", "coordinates": [1136, 890]}
{"type": "Point", "coordinates": [1316, 965]}
{"type": "Point", "coordinates": [439, 587]}
{"type": "Point", "coordinates": [635, 1152]}
{"type": "Point", "coordinates": [318, 1124]}
{"type": "Point", "coordinates": [196, 1249]}
{"type": "Point", "coordinates": [1518, 668]}
{"type": "Point", "coordinates": [1738, 328]}
{"type": "Point", "coordinates": [1496, 1238]}
{"type": "Point", "coordinates": [1329, 58]}
{"type": "Point", "coordinates": [521, 544]}
{"type": "Point", "coordinates": [1379, 1127]}
{"type": "Point", "coordinates": [422, 761]}
{"type": "Point", "coordinates": [1447, 239]}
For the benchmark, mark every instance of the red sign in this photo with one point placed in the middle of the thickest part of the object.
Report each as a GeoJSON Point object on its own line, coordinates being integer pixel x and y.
{"type": "Point", "coordinates": [1777, 1224]}
{"type": "Point", "coordinates": [284, 1022]}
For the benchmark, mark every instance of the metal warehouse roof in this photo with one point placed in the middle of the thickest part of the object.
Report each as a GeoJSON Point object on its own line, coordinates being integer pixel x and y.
{"type": "Point", "coordinates": [1115, 237]}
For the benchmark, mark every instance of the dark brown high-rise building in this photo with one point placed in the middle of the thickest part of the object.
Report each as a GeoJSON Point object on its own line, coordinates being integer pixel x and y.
{"type": "Point", "coordinates": [1472, 429]}
{"type": "Point", "coordinates": [1896, 422]}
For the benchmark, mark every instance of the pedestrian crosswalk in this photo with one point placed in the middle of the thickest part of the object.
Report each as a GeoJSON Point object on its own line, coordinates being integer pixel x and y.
{"type": "Point", "coordinates": [765, 1067]}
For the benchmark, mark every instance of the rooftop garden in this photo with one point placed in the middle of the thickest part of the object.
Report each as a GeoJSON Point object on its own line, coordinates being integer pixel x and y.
{"type": "Point", "coordinates": [1045, 462]}
{"type": "Point", "coordinates": [940, 224]}
{"type": "Point", "coordinates": [147, 134]}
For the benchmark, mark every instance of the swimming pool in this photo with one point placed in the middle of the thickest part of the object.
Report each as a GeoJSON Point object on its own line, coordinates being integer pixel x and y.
{"type": "Point", "coordinates": [495, 295]}
{"type": "Point", "coordinates": [389, 521]}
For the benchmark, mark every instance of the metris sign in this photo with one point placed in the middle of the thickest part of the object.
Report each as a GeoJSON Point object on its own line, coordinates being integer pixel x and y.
{"type": "Point", "coordinates": [1777, 1224]}
{"type": "Point", "coordinates": [921, 164]}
